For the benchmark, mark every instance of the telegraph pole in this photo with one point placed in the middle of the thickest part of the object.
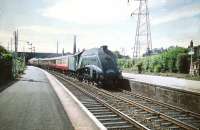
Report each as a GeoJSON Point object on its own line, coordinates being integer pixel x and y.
{"type": "Point", "coordinates": [63, 52]}
{"type": "Point", "coordinates": [16, 40]}
{"type": "Point", "coordinates": [15, 53]}
{"type": "Point", "coordinates": [57, 46]}
{"type": "Point", "coordinates": [8, 47]}
{"type": "Point", "coordinates": [74, 49]}
{"type": "Point", "coordinates": [191, 53]}
{"type": "Point", "coordinates": [11, 44]}
{"type": "Point", "coordinates": [143, 31]}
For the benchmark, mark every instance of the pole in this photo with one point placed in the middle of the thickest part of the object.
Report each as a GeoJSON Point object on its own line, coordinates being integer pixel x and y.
{"type": "Point", "coordinates": [8, 47]}
{"type": "Point", "coordinates": [63, 51]}
{"type": "Point", "coordinates": [191, 53]}
{"type": "Point", "coordinates": [11, 44]}
{"type": "Point", "coordinates": [57, 46]}
{"type": "Point", "coordinates": [143, 31]}
{"type": "Point", "coordinates": [191, 66]}
{"type": "Point", "coordinates": [74, 49]}
{"type": "Point", "coordinates": [16, 40]}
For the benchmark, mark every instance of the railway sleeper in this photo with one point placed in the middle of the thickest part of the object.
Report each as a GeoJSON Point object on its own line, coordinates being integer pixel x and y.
{"type": "Point", "coordinates": [124, 127]}
{"type": "Point", "coordinates": [116, 123]}
{"type": "Point", "coordinates": [187, 119]}
{"type": "Point", "coordinates": [103, 113]}
{"type": "Point", "coordinates": [95, 103]}
{"type": "Point", "coordinates": [92, 105]}
{"type": "Point", "coordinates": [100, 111]}
{"type": "Point", "coordinates": [96, 108]}
{"type": "Point", "coordinates": [149, 119]}
{"type": "Point", "coordinates": [174, 113]}
{"type": "Point", "coordinates": [110, 119]}
{"type": "Point", "coordinates": [87, 100]}
{"type": "Point", "coordinates": [160, 108]}
{"type": "Point", "coordinates": [106, 116]}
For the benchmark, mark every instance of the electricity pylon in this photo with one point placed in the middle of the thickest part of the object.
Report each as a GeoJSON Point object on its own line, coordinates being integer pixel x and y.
{"type": "Point", "coordinates": [143, 31]}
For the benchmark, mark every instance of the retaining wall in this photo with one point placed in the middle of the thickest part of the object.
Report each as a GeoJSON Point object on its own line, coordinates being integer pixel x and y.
{"type": "Point", "coordinates": [176, 97]}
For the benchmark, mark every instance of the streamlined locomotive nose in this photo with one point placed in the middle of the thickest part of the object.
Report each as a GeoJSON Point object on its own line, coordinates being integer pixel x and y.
{"type": "Point", "coordinates": [111, 74]}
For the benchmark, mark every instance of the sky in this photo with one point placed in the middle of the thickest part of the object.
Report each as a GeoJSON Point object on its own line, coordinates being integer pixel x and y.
{"type": "Point", "coordinates": [96, 23]}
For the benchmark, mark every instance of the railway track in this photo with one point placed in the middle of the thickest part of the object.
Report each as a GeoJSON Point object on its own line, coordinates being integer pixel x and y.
{"type": "Point", "coordinates": [138, 111]}
{"type": "Point", "coordinates": [110, 117]}
{"type": "Point", "coordinates": [180, 114]}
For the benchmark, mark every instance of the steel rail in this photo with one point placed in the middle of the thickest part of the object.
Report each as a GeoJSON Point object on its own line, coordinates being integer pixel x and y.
{"type": "Point", "coordinates": [196, 115]}
{"type": "Point", "coordinates": [166, 117]}
{"type": "Point", "coordinates": [161, 115]}
{"type": "Point", "coordinates": [130, 120]}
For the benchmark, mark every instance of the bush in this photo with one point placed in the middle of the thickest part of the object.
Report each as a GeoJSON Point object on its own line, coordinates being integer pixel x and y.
{"type": "Point", "coordinates": [163, 62]}
{"type": "Point", "coordinates": [157, 68]}
{"type": "Point", "coordinates": [182, 63]}
{"type": "Point", "coordinates": [125, 63]}
{"type": "Point", "coordinates": [7, 57]}
{"type": "Point", "coordinates": [3, 50]}
{"type": "Point", "coordinates": [140, 67]}
{"type": "Point", "coordinates": [5, 67]}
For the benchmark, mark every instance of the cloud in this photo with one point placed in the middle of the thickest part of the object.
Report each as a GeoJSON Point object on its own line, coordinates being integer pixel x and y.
{"type": "Point", "coordinates": [156, 3]}
{"type": "Point", "coordinates": [5, 37]}
{"type": "Point", "coordinates": [186, 11]}
{"type": "Point", "coordinates": [42, 29]}
{"type": "Point", "coordinates": [88, 11]}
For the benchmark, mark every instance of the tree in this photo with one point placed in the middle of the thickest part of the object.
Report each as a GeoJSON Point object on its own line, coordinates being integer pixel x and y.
{"type": "Point", "coordinates": [182, 63]}
{"type": "Point", "coordinates": [118, 55]}
{"type": "Point", "coordinates": [3, 50]}
{"type": "Point", "coordinates": [172, 57]}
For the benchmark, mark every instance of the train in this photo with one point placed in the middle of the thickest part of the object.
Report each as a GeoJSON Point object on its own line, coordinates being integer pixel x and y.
{"type": "Point", "coordinates": [96, 65]}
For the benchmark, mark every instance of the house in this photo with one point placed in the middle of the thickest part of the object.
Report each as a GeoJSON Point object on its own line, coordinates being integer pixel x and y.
{"type": "Point", "coordinates": [196, 68]}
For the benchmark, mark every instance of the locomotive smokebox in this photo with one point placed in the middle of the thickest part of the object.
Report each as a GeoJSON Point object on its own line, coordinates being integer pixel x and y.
{"type": "Point", "coordinates": [104, 47]}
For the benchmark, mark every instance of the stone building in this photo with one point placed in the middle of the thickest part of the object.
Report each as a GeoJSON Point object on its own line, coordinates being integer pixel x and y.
{"type": "Point", "coordinates": [196, 68]}
{"type": "Point", "coordinates": [196, 52]}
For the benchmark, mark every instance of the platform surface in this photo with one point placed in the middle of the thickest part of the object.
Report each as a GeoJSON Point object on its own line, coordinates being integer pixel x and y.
{"type": "Point", "coordinates": [31, 104]}
{"type": "Point", "coordinates": [171, 82]}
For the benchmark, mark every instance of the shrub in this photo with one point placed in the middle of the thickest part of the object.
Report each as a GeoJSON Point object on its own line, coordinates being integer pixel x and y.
{"type": "Point", "coordinates": [157, 68]}
{"type": "Point", "coordinates": [7, 57]}
{"type": "Point", "coordinates": [182, 63]}
{"type": "Point", "coordinates": [140, 67]}
{"type": "Point", "coordinates": [3, 50]}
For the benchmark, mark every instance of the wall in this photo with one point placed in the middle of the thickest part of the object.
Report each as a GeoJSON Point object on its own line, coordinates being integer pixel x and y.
{"type": "Point", "coordinates": [180, 98]}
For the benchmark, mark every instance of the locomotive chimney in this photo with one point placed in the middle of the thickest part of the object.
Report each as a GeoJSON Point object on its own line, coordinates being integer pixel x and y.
{"type": "Point", "coordinates": [104, 47]}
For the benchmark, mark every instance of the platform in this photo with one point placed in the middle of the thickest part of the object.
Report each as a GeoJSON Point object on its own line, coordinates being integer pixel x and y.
{"type": "Point", "coordinates": [31, 104]}
{"type": "Point", "coordinates": [39, 102]}
{"type": "Point", "coordinates": [177, 92]}
{"type": "Point", "coordinates": [176, 83]}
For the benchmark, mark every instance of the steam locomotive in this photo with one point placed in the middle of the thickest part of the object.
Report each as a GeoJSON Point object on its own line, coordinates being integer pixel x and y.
{"type": "Point", "coordinates": [97, 65]}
